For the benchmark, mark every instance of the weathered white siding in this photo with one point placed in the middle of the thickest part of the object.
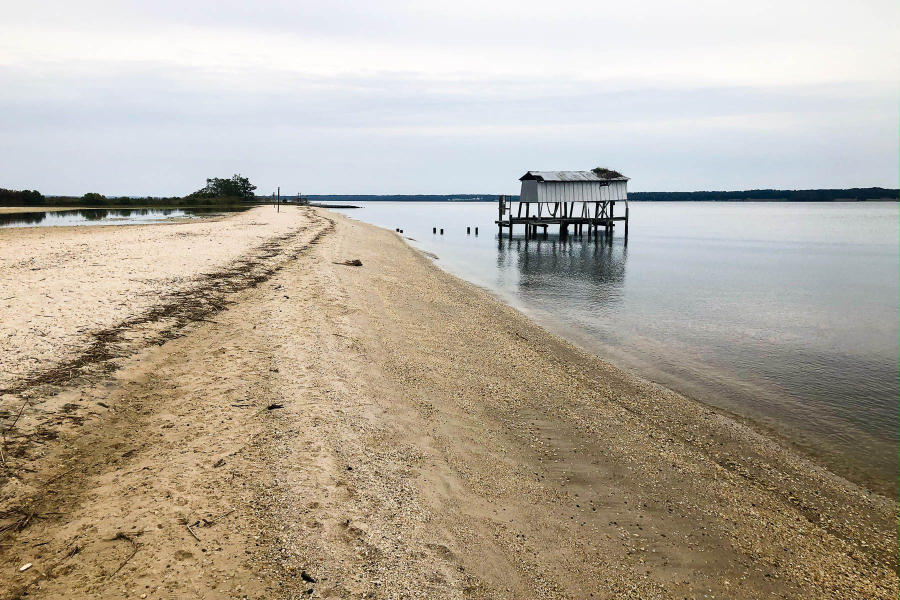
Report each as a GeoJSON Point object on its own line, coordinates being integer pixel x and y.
{"type": "Point", "coordinates": [529, 191]}
{"type": "Point", "coordinates": [573, 191]}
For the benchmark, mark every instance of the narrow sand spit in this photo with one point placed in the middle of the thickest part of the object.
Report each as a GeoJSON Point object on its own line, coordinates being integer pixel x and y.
{"type": "Point", "coordinates": [288, 425]}
{"type": "Point", "coordinates": [8, 210]}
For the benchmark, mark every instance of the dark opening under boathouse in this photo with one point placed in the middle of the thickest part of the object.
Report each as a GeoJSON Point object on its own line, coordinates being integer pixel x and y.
{"type": "Point", "coordinates": [575, 199]}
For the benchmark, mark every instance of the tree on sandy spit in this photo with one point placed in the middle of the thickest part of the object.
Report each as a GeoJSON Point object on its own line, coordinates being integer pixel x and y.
{"type": "Point", "coordinates": [236, 187]}
{"type": "Point", "coordinates": [94, 199]}
{"type": "Point", "coordinates": [20, 197]}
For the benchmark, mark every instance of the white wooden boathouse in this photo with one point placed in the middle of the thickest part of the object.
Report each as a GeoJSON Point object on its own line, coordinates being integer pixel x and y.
{"type": "Point", "coordinates": [566, 198]}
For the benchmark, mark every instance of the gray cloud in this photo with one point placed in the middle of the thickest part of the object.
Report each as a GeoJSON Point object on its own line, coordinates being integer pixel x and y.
{"type": "Point", "coordinates": [151, 98]}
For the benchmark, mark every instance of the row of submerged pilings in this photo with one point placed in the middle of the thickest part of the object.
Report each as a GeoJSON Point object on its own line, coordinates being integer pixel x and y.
{"type": "Point", "coordinates": [434, 230]}
{"type": "Point", "coordinates": [531, 231]}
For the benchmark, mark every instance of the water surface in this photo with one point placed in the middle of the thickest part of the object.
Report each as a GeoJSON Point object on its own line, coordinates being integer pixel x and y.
{"type": "Point", "coordinates": [784, 313]}
{"type": "Point", "coordinates": [104, 216]}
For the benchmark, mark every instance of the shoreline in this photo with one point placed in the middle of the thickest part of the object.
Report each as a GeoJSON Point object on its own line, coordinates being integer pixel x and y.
{"type": "Point", "coordinates": [749, 401]}
{"type": "Point", "coordinates": [429, 440]}
{"type": "Point", "coordinates": [814, 450]}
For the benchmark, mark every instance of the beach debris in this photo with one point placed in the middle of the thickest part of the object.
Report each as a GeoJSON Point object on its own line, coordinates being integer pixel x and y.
{"type": "Point", "coordinates": [103, 404]}
{"type": "Point", "coordinates": [135, 548]}
{"type": "Point", "coordinates": [63, 474]}
{"type": "Point", "coordinates": [604, 173]}
{"type": "Point", "coordinates": [307, 577]}
{"type": "Point", "coordinates": [214, 520]}
{"type": "Point", "coordinates": [274, 405]}
{"type": "Point", "coordinates": [355, 262]}
{"type": "Point", "coordinates": [25, 567]}
{"type": "Point", "coordinates": [21, 410]}
{"type": "Point", "coordinates": [190, 529]}
{"type": "Point", "coordinates": [219, 463]}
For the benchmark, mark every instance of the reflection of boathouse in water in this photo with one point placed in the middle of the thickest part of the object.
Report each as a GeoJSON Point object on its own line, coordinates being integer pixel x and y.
{"type": "Point", "coordinates": [564, 272]}
{"type": "Point", "coordinates": [566, 198]}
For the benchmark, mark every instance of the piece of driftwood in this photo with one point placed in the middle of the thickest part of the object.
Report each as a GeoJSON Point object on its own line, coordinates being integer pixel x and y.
{"type": "Point", "coordinates": [192, 533]}
{"type": "Point", "coordinates": [135, 548]}
{"type": "Point", "coordinates": [21, 410]}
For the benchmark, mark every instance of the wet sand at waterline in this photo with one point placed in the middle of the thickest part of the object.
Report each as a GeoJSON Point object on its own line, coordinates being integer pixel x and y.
{"type": "Point", "coordinates": [235, 413]}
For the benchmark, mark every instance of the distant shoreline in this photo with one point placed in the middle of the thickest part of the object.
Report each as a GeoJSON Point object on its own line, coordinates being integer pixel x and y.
{"type": "Point", "coordinates": [515, 199]}
{"type": "Point", "coordinates": [819, 195]}
{"type": "Point", "coordinates": [26, 199]}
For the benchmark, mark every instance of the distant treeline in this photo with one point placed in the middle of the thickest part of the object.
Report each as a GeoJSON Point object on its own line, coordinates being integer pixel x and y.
{"type": "Point", "coordinates": [20, 198]}
{"type": "Point", "coordinates": [93, 200]}
{"type": "Point", "coordinates": [403, 198]}
{"type": "Point", "coordinates": [857, 194]}
{"type": "Point", "coordinates": [205, 198]}
{"type": "Point", "coordinates": [218, 191]}
{"type": "Point", "coordinates": [147, 201]}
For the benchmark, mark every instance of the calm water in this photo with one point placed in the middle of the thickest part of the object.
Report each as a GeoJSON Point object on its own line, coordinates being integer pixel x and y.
{"type": "Point", "coordinates": [784, 313]}
{"type": "Point", "coordinates": [102, 216]}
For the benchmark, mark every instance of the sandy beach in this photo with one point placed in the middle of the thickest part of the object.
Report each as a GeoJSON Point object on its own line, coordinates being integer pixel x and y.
{"type": "Point", "coordinates": [225, 409]}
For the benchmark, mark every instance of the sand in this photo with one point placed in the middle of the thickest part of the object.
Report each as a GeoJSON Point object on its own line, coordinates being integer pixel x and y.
{"type": "Point", "coordinates": [283, 425]}
{"type": "Point", "coordinates": [61, 285]}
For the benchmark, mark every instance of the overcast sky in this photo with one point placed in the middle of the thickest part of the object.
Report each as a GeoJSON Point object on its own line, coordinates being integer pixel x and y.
{"type": "Point", "coordinates": [391, 96]}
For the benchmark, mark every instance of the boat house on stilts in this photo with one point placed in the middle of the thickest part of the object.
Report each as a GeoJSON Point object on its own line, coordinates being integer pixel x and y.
{"type": "Point", "coordinates": [566, 198]}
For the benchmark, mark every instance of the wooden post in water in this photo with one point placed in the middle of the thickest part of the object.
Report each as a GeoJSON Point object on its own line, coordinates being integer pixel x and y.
{"type": "Point", "coordinates": [612, 223]}
{"type": "Point", "coordinates": [626, 221]}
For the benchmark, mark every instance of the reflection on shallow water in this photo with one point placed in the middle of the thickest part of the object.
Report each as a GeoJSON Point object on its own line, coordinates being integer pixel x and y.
{"type": "Point", "coordinates": [103, 216]}
{"type": "Point", "coordinates": [558, 269]}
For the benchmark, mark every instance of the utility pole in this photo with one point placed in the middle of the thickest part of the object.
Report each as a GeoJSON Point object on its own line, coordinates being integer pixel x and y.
{"type": "Point", "coordinates": [279, 199]}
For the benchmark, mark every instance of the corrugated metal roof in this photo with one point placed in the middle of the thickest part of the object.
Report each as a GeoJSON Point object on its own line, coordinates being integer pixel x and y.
{"type": "Point", "coordinates": [567, 176]}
